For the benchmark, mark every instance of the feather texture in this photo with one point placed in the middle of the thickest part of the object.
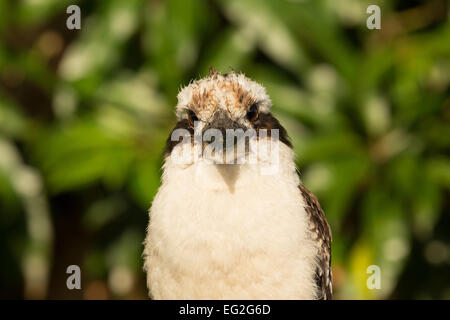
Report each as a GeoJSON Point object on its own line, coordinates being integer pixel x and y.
{"type": "Point", "coordinates": [321, 233]}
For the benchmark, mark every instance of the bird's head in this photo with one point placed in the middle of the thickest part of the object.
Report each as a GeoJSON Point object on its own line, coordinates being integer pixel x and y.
{"type": "Point", "coordinates": [220, 105]}
{"type": "Point", "coordinates": [229, 101]}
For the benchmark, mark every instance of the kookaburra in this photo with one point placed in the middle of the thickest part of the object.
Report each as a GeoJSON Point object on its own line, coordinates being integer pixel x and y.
{"type": "Point", "coordinates": [232, 231]}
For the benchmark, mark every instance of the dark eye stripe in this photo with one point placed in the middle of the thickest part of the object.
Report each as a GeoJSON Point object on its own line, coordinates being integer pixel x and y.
{"type": "Point", "coordinates": [182, 124]}
{"type": "Point", "coordinates": [192, 117]}
{"type": "Point", "coordinates": [252, 113]}
{"type": "Point", "coordinates": [268, 122]}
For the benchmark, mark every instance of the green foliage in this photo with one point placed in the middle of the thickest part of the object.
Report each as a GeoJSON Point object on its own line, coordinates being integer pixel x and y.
{"type": "Point", "coordinates": [87, 113]}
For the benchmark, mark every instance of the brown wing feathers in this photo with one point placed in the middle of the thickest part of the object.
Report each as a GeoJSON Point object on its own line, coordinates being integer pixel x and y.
{"type": "Point", "coordinates": [321, 232]}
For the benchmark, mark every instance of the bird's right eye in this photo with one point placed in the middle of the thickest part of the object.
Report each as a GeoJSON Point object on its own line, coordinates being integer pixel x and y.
{"type": "Point", "coordinates": [252, 114]}
{"type": "Point", "coordinates": [192, 117]}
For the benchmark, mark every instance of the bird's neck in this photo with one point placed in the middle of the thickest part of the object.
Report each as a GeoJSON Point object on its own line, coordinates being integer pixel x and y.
{"type": "Point", "coordinates": [230, 178]}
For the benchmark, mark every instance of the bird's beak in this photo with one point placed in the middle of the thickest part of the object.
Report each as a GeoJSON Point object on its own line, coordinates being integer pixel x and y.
{"type": "Point", "coordinates": [222, 122]}
{"type": "Point", "coordinates": [217, 135]}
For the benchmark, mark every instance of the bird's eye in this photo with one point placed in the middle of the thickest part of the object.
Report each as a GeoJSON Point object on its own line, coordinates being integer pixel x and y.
{"type": "Point", "coordinates": [252, 114]}
{"type": "Point", "coordinates": [192, 117]}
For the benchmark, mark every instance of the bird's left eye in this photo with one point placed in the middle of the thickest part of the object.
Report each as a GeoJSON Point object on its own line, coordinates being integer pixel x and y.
{"type": "Point", "coordinates": [192, 117]}
{"type": "Point", "coordinates": [252, 114]}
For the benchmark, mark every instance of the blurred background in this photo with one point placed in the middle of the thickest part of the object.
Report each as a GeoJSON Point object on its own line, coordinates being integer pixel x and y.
{"type": "Point", "coordinates": [84, 115]}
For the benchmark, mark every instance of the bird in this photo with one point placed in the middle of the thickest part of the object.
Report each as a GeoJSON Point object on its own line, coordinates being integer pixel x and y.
{"type": "Point", "coordinates": [227, 230]}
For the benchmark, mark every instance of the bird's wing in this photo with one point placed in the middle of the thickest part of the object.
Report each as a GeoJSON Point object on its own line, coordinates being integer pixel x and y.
{"type": "Point", "coordinates": [320, 232]}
